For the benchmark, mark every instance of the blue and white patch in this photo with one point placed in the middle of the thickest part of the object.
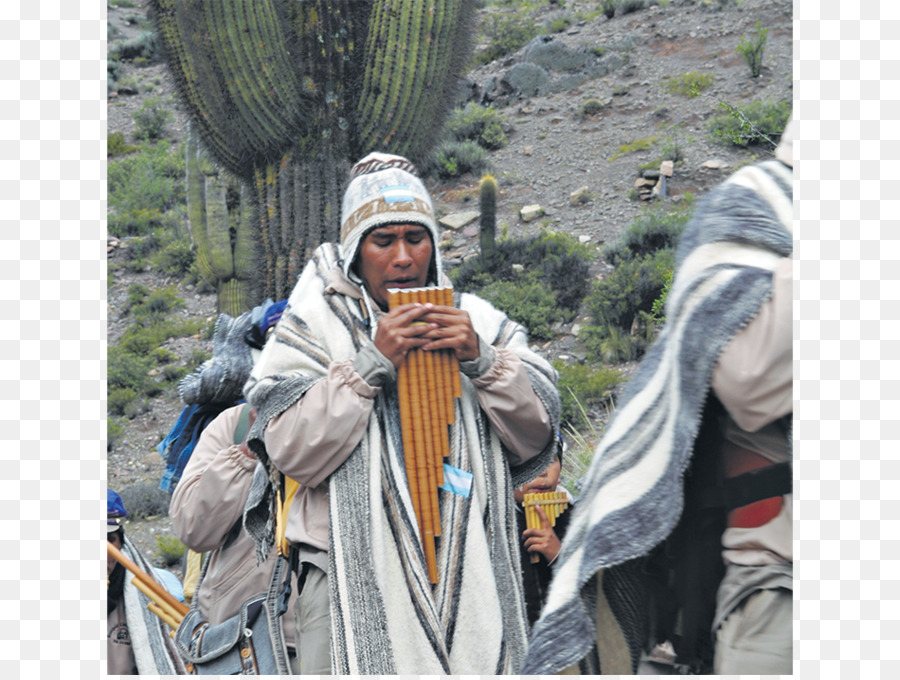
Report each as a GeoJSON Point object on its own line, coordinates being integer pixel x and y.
{"type": "Point", "coordinates": [398, 193]}
{"type": "Point", "coordinates": [457, 481]}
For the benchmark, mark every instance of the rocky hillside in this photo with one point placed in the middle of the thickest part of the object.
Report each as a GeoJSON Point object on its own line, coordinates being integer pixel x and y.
{"type": "Point", "coordinates": [630, 65]}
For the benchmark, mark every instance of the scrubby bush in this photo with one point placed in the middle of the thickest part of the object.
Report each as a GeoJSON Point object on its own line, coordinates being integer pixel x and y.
{"type": "Point", "coordinates": [144, 499]}
{"type": "Point", "coordinates": [142, 187]}
{"type": "Point", "coordinates": [483, 125]}
{"type": "Point", "coordinates": [114, 432]}
{"type": "Point", "coordinates": [583, 387]}
{"type": "Point", "coordinates": [117, 146]}
{"type": "Point", "coordinates": [752, 50]}
{"type": "Point", "coordinates": [152, 118]}
{"type": "Point", "coordinates": [507, 34]}
{"type": "Point", "coordinates": [169, 549]}
{"type": "Point", "coordinates": [629, 6]}
{"type": "Point", "coordinates": [558, 261]}
{"type": "Point", "coordinates": [648, 233]}
{"type": "Point", "coordinates": [176, 257]}
{"type": "Point", "coordinates": [689, 84]}
{"type": "Point", "coordinates": [452, 159]}
{"type": "Point", "coordinates": [591, 107]}
{"type": "Point", "coordinates": [609, 8]}
{"type": "Point", "coordinates": [757, 122]}
{"type": "Point", "coordinates": [527, 301]}
{"type": "Point", "coordinates": [145, 47]}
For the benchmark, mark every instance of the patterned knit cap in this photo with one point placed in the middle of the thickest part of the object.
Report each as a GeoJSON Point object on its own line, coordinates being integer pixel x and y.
{"type": "Point", "coordinates": [384, 189]}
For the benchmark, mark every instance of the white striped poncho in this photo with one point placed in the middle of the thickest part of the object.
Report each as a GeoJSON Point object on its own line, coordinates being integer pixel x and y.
{"type": "Point", "coordinates": [633, 490]}
{"type": "Point", "coordinates": [386, 616]}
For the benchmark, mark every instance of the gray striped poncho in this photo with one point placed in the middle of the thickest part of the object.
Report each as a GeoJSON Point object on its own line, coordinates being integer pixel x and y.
{"type": "Point", "coordinates": [633, 490]}
{"type": "Point", "coordinates": [154, 650]}
{"type": "Point", "coordinates": [386, 616]}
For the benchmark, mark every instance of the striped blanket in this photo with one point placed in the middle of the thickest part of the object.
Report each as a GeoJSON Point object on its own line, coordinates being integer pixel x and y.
{"type": "Point", "coordinates": [154, 650]}
{"type": "Point", "coordinates": [386, 616]}
{"type": "Point", "coordinates": [633, 491]}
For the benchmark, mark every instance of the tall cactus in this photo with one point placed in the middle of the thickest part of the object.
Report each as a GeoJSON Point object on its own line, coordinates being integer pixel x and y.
{"type": "Point", "coordinates": [221, 227]}
{"type": "Point", "coordinates": [488, 223]}
{"type": "Point", "coordinates": [287, 95]}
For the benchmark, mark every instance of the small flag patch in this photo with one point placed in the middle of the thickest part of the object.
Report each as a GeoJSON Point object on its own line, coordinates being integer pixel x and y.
{"type": "Point", "coordinates": [457, 481]}
{"type": "Point", "coordinates": [397, 193]}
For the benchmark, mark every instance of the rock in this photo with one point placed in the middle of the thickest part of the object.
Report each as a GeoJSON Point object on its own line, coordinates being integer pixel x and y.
{"type": "Point", "coordinates": [457, 221]}
{"type": "Point", "coordinates": [531, 212]}
{"type": "Point", "coordinates": [518, 268]}
{"type": "Point", "coordinates": [666, 168]}
{"type": "Point", "coordinates": [714, 164]}
{"type": "Point", "coordinates": [527, 151]}
{"type": "Point", "coordinates": [471, 230]}
{"type": "Point", "coordinates": [650, 174]}
{"type": "Point", "coordinates": [582, 195]}
{"type": "Point", "coordinates": [584, 238]}
{"type": "Point", "coordinates": [660, 188]}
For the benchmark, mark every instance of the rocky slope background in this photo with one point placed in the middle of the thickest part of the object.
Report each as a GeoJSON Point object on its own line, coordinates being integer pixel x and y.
{"type": "Point", "coordinates": [586, 103]}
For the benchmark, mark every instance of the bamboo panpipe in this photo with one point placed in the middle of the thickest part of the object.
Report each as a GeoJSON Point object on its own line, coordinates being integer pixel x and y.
{"type": "Point", "coordinates": [162, 602]}
{"type": "Point", "coordinates": [554, 503]}
{"type": "Point", "coordinates": [427, 383]}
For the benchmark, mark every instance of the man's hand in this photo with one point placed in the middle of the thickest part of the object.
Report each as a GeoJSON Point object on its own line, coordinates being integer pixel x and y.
{"type": "Point", "coordinates": [543, 540]}
{"type": "Point", "coordinates": [401, 330]}
{"type": "Point", "coordinates": [451, 329]}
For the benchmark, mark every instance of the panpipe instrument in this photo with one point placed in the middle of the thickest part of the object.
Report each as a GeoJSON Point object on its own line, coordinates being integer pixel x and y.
{"type": "Point", "coordinates": [427, 383]}
{"type": "Point", "coordinates": [554, 504]}
{"type": "Point", "coordinates": [162, 602]}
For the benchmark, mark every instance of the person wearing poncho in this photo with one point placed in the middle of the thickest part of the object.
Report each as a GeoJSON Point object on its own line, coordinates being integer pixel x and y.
{"type": "Point", "coordinates": [326, 396]}
{"type": "Point", "coordinates": [722, 364]}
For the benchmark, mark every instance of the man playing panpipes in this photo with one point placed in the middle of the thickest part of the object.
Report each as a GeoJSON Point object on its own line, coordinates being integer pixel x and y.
{"type": "Point", "coordinates": [326, 394]}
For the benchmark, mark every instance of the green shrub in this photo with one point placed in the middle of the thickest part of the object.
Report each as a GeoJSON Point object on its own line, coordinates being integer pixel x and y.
{"type": "Point", "coordinates": [591, 107]}
{"type": "Point", "coordinates": [115, 430]}
{"type": "Point", "coordinates": [119, 400]}
{"type": "Point", "coordinates": [560, 261]}
{"type": "Point", "coordinates": [483, 125]}
{"type": "Point", "coordinates": [506, 35]}
{"type": "Point", "coordinates": [648, 233]}
{"type": "Point", "coordinates": [142, 187]}
{"type": "Point", "coordinates": [176, 257]}
{"type": "Point", "coordinates": [117, 146]}
{"type": "Point", "coordinates": [609, 8]}
{"type": "Point", "coordinates": [124, 4]}
{"type": "Point", "coordinates": [158, 303]}
{"type": "Point", "coordinates": [582, 387]}
{"type": "Point", "coordinates": [641, 144]}
{"type": "Point", "coordinates": [527, 301]}
{"type": "Point", "coordinates": [143, 338]}
{"type": "Point", "coordinates": [629, 6]}
{"type": "Point", "coordinates": [126, 371]}
{"type": "Point", "coordinates": [617, 300]}
{"type": "Point", "coordinates": [453, 159]}
{"type": "Point", "coordinates": [689, 84]}
{"type": "Point", "coordinates": [144, 499]}
{"type": "Point", "coordinates": [757, 122]}
{"type": "Point", "coordinates": [144, 46]}
{"type": "Point", "coordinates": [752, 50]}
{"type": "Point", "coordinates": [152, 118]}
{"type": "Point", "coordinates": [169, 549]}
{"type": "Point", "coordinates": [559, 25]}
{"type": "Point", "coordinates": [113, 69]}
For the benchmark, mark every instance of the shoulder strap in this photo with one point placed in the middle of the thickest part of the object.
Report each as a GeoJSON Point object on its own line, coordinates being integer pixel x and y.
{"type": "Point", "coordinates": [243, 424]}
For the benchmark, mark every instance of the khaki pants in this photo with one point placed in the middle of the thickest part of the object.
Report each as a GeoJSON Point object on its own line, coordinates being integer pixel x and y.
{"type": "Point", "coordinates": [312, 623]}
{"type": "Point", "coordinates": [757, 637]}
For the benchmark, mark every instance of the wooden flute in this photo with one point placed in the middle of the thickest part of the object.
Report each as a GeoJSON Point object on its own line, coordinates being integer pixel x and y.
{"type": "Point", "coordinates": [554, 504]}
{"type": "Point", "coordinates": [162, 602]}
{"type": "Point", "coordinates": [427, 383]}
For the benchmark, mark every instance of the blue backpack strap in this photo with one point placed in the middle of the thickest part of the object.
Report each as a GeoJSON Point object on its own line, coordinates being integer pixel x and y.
{"type": "Point", "coordinates": [243, 425]}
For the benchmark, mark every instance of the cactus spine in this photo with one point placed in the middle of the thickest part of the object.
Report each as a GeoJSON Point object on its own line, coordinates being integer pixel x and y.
{"type": "Point", "coordinates": [488, 225]}
{"type": "Point", "coordinates": [286, 95]}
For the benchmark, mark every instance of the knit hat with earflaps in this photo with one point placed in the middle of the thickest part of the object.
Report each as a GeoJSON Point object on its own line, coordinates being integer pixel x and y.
{"type": "Point", "coordinates": [384, 189]}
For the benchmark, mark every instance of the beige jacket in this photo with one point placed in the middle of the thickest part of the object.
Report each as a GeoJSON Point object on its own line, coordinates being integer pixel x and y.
{"type": "Point", "coordinates": [311, 438]}
{"type": "Point", "coordinates": [207, 502]}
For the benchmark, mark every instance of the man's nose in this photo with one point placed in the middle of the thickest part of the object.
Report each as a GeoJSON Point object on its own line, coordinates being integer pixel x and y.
{"type": "Point", "coordinates": [402, 255]}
